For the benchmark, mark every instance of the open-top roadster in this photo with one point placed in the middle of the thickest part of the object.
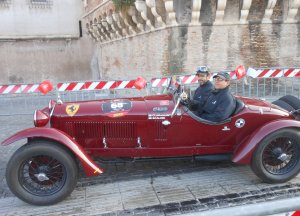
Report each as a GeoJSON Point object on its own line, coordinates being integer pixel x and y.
{"type": "Point", "coordinates": [44, 170]}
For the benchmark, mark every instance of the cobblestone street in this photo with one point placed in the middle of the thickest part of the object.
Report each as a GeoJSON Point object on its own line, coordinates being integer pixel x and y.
{"type": "Point", "coordinates": [147, 188]}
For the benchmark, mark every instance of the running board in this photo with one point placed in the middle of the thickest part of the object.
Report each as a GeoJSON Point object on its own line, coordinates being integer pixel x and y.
{"type": "Point", "coordinates": [218, 157]}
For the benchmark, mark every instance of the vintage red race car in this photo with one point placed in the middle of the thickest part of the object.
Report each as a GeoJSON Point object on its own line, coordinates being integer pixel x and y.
{"type": "Point", "coordinates": [44, 170]}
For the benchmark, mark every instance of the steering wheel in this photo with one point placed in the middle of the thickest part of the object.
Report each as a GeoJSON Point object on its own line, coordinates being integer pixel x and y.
{"type": "Point", "coordinates": [172, 85]}
{"type": "Point", "coordinates": [178, 93]}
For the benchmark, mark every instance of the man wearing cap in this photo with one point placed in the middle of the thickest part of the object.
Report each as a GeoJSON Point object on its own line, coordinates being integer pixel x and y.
{"type": "Point", "coordinates": [221, 103]}
{"type": "Point", "coordinates": [203, 91]}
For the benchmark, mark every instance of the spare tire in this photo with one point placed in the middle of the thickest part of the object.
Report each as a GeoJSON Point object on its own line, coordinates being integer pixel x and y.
{"type": "Point", "coordinates": [291, 100]}
{"type": "Point", "coordinates": [283, 105]}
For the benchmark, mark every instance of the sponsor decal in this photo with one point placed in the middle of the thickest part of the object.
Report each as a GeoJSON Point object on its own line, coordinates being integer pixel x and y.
{"type": "Point", "coordinates": [157, 116]}
{"type": "Point", "coordinates": [72, 109]}
{"type": "Point", "coordinates": [240, 123]}
{"type": "Point", "coordinates": [118, 114]}
{"type": "Point", "coordinates": [160, 109]}
{"type": "Point", "coordinates": [116, 106]}
{"type": "Point", "coordinates": [164, 103]}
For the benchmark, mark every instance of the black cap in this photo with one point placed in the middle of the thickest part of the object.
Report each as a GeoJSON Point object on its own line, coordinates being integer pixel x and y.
{"type": "Point", "coordinates": [223, 75]}
{"type": "Point", "coordinates": [202, 69]}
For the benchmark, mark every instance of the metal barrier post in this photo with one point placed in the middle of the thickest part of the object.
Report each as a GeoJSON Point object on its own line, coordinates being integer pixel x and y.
{"type": "Point", "coordinates": [249, 87]}
{"type": "Point", "coordinates": [257, 83]}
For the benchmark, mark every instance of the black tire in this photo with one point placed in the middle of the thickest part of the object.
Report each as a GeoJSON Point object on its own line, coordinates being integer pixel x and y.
{"type": "Point", "coordinates": [42, 173]}
{"type": "Point", "coordinates": [283, 105]}
{"type": "Point", "coordinates": [266, 164]}
{"type": "Point", "coordinates": [291, 100]}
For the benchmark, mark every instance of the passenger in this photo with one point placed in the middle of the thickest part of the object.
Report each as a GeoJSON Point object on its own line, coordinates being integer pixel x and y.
{"type": "Point", "coordinates": [221, 103]}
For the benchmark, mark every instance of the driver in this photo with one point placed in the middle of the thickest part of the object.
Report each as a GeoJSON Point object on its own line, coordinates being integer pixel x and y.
{"type": "Point", "coordinates": [203, 91]}
{"type": "Point", "coordinates": [221, 103]}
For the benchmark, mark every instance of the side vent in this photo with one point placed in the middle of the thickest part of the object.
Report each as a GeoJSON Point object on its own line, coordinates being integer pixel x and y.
{"type": "Point", "coordinates": [91, 134]}
{"type": "Point", "coordinates": [83, 130]}
{"type": "Point", "coordinates": [160, 131]}
{"type": "Point", "coordinates": [120, 130]}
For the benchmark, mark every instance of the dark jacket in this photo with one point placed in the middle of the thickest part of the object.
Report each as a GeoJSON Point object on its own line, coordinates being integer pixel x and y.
{"type": "Point", "coordinates": [219, 106]}
{"type": "Point", "coordinates": [201, 95]}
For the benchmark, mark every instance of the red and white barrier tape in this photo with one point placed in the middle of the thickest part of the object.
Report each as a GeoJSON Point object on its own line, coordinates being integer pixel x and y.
{"type": "Point", "coordinates": [254, 73]}
{"type": "Point", "coordinates": [266, 73]}
{"type": "Point", "coordinates": [101, 85]}
{"type": "Point", "coordinates": [155, 82]}
{"type": "Point", "coordinates": [11, 89]}
{"type": "Point", "coordinates": [293, 213]}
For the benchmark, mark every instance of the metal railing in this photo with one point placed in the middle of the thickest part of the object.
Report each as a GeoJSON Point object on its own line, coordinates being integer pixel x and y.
{"type": "Point", "coordinates": [265, 88]}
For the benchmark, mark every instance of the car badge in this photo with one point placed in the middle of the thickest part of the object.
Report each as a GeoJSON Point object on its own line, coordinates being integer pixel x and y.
{"type": "Point", "coordinates": [72, 109]}
{"type": "Point", "coordinates": [240, 123]}
{"type": "Point", "coordinates": [160, 109]}
{"type": "Point", "coordinates": [166, 122]}
{"type": "Point", "coordinates": [226, 128]}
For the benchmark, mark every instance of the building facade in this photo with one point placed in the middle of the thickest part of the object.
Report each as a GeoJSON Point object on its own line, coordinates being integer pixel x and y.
{"type": "Point", "coordinates": [162, 37]}
{"type": "Point", "coordinates": [44, 39]}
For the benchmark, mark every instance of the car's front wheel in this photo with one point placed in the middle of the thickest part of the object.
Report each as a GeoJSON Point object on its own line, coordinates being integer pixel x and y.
{"type": "Point", "coordinates": [277, 157]}
{"type": "Point", "coordinates": [42, 173]}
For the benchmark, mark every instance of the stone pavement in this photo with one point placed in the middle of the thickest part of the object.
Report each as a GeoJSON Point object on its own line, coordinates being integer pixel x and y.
{"type": "Point", "coordinates": [147, 188]}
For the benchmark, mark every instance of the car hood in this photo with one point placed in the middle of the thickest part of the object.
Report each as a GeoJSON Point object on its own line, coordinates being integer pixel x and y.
{"type": "Point", "coordinates": [116, 107]}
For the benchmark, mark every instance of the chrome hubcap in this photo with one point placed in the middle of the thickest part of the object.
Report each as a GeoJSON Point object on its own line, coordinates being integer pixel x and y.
{"type": "Point", "coordinates": [283, 157]}
{"type": "Point", "coordinates": [41, 177]}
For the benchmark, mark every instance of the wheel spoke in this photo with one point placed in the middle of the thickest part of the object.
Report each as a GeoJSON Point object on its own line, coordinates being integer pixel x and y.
{"type": "Point", "coordinates": [42, 165]}
{"type": "Point", "coordinates": [278, 156]}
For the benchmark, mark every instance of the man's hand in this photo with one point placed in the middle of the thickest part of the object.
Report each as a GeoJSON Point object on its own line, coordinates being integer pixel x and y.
{"type": "Point", "coordinates": [184, 96]}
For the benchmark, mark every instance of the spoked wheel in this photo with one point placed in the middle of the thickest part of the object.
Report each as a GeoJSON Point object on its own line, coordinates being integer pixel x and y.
{"type": "Point", "coordinates": [42, 173]}
{"type": "Point", "coordinates": [277, 158]}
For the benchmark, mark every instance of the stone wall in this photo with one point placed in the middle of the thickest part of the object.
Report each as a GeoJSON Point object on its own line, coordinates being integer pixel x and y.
{"type": "Point", "coordinates": [174, 50]}
{"type": "Point", "coordinates": [178, 50]}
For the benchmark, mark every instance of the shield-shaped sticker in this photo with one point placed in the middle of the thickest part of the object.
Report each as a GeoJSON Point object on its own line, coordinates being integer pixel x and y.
{"type": "Point", "coordinates": [72, 109]}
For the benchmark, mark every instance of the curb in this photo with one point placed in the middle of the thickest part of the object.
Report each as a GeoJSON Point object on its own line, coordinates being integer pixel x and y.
{"type": "Point", "coordinates": [258, 209]}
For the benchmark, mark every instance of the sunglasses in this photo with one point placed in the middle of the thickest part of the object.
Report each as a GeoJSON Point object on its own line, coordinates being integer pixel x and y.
{"type": "Point", "coordinates": [201, 75]}
{"type": "Point", "coordinates": [219, 79]}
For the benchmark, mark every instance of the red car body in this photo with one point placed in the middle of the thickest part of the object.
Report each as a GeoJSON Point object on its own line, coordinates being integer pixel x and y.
{"type": "Point", "coordinates": [144, 127]}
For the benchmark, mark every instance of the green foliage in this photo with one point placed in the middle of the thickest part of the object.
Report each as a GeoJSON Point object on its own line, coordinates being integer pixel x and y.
{"type": "Point", "coordinates": [121, 4]}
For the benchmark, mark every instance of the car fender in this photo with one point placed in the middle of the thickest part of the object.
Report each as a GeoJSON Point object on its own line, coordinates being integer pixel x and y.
{"type": "Point", "coordinates": [90, 167]}
{"type": "Point", "coordinates": [243, 153]}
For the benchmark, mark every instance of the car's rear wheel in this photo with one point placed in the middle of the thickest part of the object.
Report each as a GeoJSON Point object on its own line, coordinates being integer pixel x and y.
{"type": "Point", "coordinates": [277, 157]}
{"type": "Point", "coordinates": [291, 100]}
{"type": "Point", "coordinates": [42, 173]}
